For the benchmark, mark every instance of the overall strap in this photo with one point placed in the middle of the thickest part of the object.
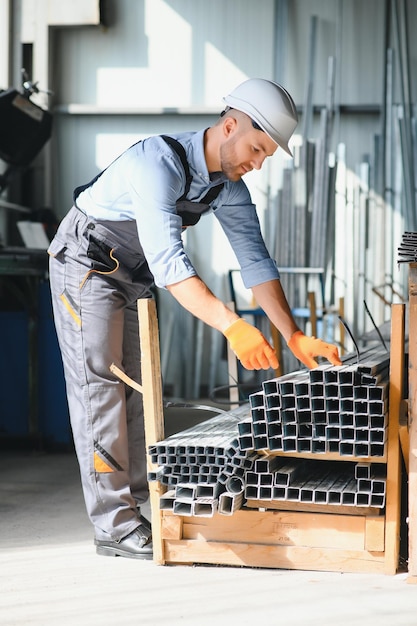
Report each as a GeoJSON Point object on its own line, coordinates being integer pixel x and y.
{"type": "Point", "coordinates": [190, 210]}
{"type": "Point", "coordinates": [179, 149]}
{"type": "Point", "coordinates": [212, 194]}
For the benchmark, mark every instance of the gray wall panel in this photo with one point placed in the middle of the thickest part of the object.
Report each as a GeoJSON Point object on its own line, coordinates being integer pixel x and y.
{"type": "Point", "coordinates": [182, 56]}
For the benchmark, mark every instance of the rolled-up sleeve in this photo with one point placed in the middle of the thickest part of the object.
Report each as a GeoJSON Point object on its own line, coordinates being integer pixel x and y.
{"type": "Point", "coordinates": [240, 223]}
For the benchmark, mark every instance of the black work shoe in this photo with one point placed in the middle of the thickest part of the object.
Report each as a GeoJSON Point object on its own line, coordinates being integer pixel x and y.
{"type": "Point", "coordinates": [136, 545]}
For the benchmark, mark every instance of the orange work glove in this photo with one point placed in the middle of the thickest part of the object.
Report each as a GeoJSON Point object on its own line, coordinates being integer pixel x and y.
{"type": "Point", "coordinates": [305, 348]}
{"type": "Point", "coordinates": [250, 346]}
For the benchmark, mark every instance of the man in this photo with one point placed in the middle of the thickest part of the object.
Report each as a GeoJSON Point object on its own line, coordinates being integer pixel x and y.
{"type": "Point", "coordinates": [122, 236]}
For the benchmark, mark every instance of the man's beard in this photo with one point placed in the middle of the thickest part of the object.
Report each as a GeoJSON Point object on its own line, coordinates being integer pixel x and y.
{"type": "Point", "coordinates": [227, 162]}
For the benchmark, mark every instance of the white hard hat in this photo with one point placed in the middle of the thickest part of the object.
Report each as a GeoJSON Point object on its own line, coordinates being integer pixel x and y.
{"type": "Point", "coordinates": [269, 105]}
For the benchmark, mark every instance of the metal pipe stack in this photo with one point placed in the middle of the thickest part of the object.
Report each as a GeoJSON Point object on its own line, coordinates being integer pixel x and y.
{"type": "Point", "coordinates": [203, 467]}
{"type": "Point", "coordinates": [330, 409]}
{"type": "Point", "coordinates": [314, 482]}
{"type": "Point", "coordinates": [221, 463]}
{"type": "Point", "coordinates": [407, 251]}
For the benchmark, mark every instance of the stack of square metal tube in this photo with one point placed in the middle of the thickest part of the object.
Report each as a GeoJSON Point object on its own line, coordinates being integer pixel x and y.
{"type": "Point", "coordinates": [329, 409]}
{"type": "Point", "coordinates": [314, 482]}
{"type": "Point", "coordinates": [203, 467]}
{"type": "Point", "coordinates": [237, 455]}
{"type": "Point", "coordinates": [407, 251]}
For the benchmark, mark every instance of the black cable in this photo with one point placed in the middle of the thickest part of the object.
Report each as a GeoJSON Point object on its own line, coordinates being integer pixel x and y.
{"type": "Point", "coordinates": [375, 326]}
{"type": "Point", "coordinates": [240, 386]}
{"type": "Point", "coordinates": [351, 336]}
{"type": "Point", "coordinates": [187, 405]}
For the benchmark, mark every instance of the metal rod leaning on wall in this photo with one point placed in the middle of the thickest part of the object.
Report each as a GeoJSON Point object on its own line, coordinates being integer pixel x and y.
{"type": "Point", "coordinates": [401, 33]}
{"type": "Point", "coordinates": [321, 191]}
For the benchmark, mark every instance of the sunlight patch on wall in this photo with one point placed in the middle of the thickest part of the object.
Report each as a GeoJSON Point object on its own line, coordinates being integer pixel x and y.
{"type": "Point", "coordinates": [110, 145]}
{"type": "Point", "coordinates": [221, 76]}
{"type": "Point", "coordinates": [166, 80]}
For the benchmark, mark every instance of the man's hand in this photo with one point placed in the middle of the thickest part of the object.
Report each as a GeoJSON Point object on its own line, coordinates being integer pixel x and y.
{"type": "Point", "coordinates": [305, 348]}
{"type": "Point", "coordinates": [250, 346]}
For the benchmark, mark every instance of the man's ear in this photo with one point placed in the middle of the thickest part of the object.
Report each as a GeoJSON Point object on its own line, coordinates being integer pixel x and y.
{"type": "Point", "coordinates": [229, 125]}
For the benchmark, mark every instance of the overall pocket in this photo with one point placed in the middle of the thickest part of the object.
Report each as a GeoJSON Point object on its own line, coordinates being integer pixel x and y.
{"type": "Point", "coordinates": [101, 256]}
{"type": "Point", "coordinates": [114, 245]}
{"type": "Point", "coordinates": [57, 248]}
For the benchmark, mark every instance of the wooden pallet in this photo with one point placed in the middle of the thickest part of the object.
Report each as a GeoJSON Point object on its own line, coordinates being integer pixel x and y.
{"type": "Point", "coordinates": [277, 539]}
{"type": "Point", "coordinates": [325, 539]}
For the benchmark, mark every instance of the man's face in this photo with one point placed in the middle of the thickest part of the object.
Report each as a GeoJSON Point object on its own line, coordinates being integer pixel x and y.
{"type": "Point", "coordinates": [245, 150]}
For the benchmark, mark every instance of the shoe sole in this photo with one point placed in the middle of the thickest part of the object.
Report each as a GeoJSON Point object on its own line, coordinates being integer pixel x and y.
{"type": "Point", "coordinates": [108, 551]}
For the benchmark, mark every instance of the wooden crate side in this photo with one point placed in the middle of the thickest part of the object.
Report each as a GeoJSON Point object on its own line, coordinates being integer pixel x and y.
{"type": "Point", "coordinates": [334, 509]}
{"type": "Point", "coordinates": [375, 534]}
{"type": "Point", "coordinates": [277, 557]}
{"type": "Point", "coordinates": [273, 528]}
{"type": "Point", "coordinates": [171, 526]}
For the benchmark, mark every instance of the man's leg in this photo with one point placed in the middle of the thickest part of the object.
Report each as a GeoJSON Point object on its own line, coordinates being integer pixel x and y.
{"type": "Point", "coordinates": [90, 327]}
{"type": "Point", "coordinates": [134, 407]}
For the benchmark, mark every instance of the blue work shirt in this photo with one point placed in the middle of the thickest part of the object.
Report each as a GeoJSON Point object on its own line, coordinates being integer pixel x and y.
{"type": "Point", "coordinates": [144, 183]}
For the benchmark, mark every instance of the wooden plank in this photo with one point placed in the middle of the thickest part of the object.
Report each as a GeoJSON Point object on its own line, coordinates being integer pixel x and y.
{"type": "Point", "coordinates": [276, 342]}
{"type": "Point", "coordinates": [152, 408]}
{"type": "Point", "coordinates": [342, 331]}
{"type": "Point", "coordinates": [171, 526]}
{"type": "Point", "coordinates": [327, 456]}
{"type": "Point", "coordinates": [375, 534]}
{"type": "Point", "coordinates": [233, 371]}
{"type": "Point", "coordinates": [313, 312]}
{"type": "Point", "coordinates": [338, 509]}
{"type": "Point", "coordinates": [125, 378]}
{"type": "Point", "coordinates": [412, 421]}
{"type": "Point", "coordinates": [396, 386]}
{"type": "Point", "coordinates": [279, 528]}
{"type": "Point", "coordinates": [279, 557]}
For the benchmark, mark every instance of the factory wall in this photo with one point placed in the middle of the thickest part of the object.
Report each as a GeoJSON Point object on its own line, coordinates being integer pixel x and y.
{"type": "Point", "coordinates": [164, 65]}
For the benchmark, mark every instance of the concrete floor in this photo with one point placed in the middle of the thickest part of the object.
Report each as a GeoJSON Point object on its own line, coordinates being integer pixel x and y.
{"type": "Point", "coordinates": [50, 573]}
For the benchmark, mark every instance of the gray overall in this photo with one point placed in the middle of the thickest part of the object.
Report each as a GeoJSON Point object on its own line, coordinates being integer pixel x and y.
{"type": "Point", "coordinates": [97, 273]}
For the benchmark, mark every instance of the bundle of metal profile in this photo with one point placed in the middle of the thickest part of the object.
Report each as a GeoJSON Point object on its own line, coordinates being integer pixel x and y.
{"type": "Point", "coordinates": [407, 251]}
{"type": "Point", "coordinates": [198, 453]}
{"type": "Point", "coordinates": [205, 500]}
{"type": "Point", "coordinates": [372, 483]}
{"type": "Point", "coordinates": [315, 482]}
{"type": "Point", "coordinates": [195, 500]}
{"type": "Point", "coordinates": [329, 409]}
{"type": "Point", "coordinates": [231, 499]}
{"type": "Point", "coordinates": [202, 467]}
